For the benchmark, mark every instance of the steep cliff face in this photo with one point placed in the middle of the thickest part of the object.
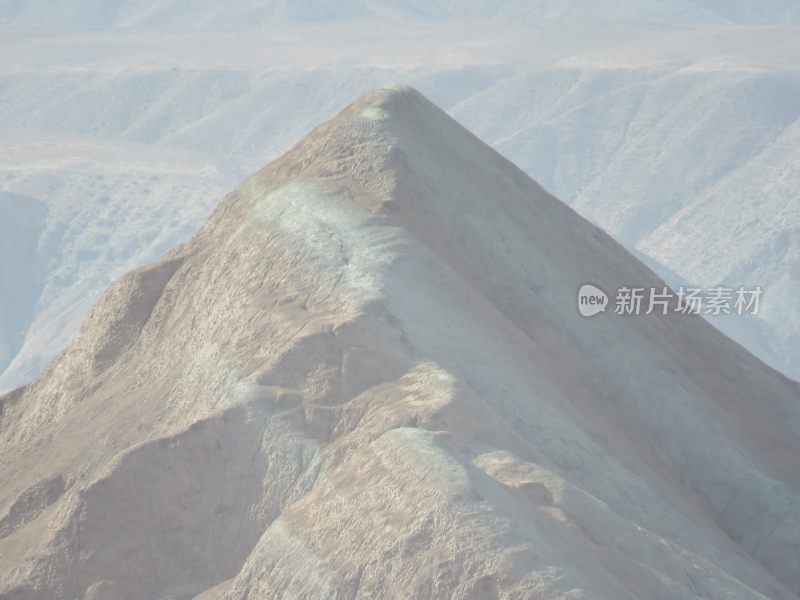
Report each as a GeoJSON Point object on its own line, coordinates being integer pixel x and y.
{"type": "Point", "coordinates": [366, 377]}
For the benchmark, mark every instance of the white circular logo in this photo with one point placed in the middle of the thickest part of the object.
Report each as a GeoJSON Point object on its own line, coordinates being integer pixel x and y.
{"type": "Point", "coordinates": [591, 300]}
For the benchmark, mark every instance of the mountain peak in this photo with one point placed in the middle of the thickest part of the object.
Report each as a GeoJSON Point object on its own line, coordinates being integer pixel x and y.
{"type": "Point", "coordinates": [366, 376]}
{"type": "Point", "coordinates": [391, 96]}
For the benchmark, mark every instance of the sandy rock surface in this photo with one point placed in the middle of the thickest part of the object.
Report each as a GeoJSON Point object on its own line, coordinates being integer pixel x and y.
{"type": "Point", "coordinates": [365, 377]}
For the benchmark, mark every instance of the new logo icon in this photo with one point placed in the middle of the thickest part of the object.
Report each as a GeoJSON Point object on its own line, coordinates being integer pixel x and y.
{"type": "Point", "coordinates": [591, 300]}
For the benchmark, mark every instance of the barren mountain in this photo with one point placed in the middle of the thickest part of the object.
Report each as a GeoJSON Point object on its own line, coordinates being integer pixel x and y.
{"type": "Point", "coordinates": [366, 377]}
{"type": "Point", "coordinates": [126, 138]}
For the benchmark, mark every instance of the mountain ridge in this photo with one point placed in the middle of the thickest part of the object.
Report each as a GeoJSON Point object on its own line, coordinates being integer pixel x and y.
{"type": "Point", "coordinates": [365, 375]}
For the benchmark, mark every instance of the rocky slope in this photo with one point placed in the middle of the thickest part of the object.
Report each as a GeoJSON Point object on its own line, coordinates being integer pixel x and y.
{"type": "Point", "coordinates": [366, 377]}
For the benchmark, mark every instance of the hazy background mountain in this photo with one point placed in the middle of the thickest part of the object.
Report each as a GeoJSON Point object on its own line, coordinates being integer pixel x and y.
{"type": "Point", "coordinates": [676, 131]}
{"type": "Point", "coordinates": [255, 13]}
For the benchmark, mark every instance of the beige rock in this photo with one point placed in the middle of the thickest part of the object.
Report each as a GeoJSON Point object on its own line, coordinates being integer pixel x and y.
{"type": "Point", "coordinates": [365, 377]}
